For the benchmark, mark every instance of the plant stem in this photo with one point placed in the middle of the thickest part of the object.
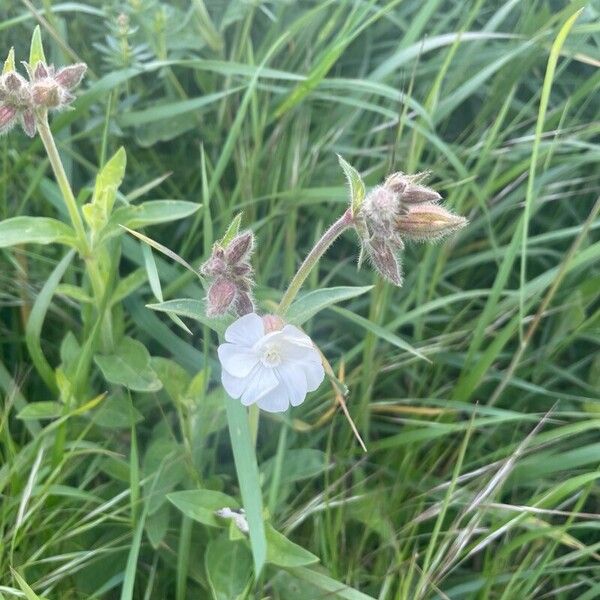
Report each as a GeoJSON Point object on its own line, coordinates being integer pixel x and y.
{"type": "Point", "coordinates": [343, 223]}
{"type": "Point", "coordinates": [61, 178]}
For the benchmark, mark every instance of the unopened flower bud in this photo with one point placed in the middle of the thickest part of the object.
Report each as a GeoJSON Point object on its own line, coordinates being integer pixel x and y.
{"type": "Point", "coordinates": [383, 257]}
{"type": "Point", "coordinates": [415, 194]}
{"type": "Point", "coordinates": [14, 82]}
{"type": "Point", "coordinates": [46, 94]}
{"type": "Point", "coordinates": [220, 297]}
{"type": "Point", "coordinates": [28, 123]}
{"type": "Point", "coordinates": [71, 76]}
{"type": "Point", "coordinates": [239, 247]}
{"type": "Point", "coordinates": [272, 323]}
{"type": "Point", "coordinates": [8, 118]}
{"type": "Point", "coordinates": [429, 221]}
{"type": "Point", "coordinates": [244, 304]}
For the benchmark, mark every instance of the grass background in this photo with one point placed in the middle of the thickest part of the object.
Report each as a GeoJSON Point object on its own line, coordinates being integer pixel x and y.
{"type": "Point", "coordinates": [481, 475]}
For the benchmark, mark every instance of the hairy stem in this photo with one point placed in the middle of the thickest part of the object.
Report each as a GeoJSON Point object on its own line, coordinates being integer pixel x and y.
{"type": "Point", "coordinates": [61, 178]}
{"type": "Point", "coordinates": [343, 223]}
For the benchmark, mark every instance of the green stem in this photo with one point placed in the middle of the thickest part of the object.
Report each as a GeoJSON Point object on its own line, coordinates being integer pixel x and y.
{"type": "Point", "coordinates": [62, 179]}
{"type": "Point", "coordinates": [343, 223]}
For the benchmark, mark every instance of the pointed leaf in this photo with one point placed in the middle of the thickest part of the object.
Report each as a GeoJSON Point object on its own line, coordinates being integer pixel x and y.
{"type": "Point", "coordinates": [357, 186]}
{"type": "Point", "coordinates": [9, 63]}
{"type": "Point", "coordinates": [232, 231]}
{"type": "Point", "coordinates": [36, 51]}
{"type": "Point", "coordinates": [201, 505]}
{"type": "Point", "coordinates": [310, 304]}
{"type": "Point", "coordinates": [285, 553]}
{"type": "Point", "coordinates": [35, 230]}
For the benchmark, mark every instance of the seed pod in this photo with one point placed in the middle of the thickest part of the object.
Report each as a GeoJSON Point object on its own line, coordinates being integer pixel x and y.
{"type": "Point", "coordinates": [428, 222]}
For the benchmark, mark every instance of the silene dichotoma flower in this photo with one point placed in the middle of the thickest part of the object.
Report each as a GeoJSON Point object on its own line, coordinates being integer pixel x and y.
{"type": "Point", "coordinates": [269, 363]}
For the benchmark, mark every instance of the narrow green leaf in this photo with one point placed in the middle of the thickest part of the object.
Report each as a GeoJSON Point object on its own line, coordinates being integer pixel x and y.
{"type": "Point", "coordinates": [232, 231]}
{"type": "Point", "coordinates": [35, 230]}
{"type": "Point", "coordinates": [248, 479]}
{"type": "Point", "coordinates": [29, 593]}
{"type": "Point", "coordinates": [36, 50]}
{"type": "Point", "coordinates": [41, 410]}
{"type": "Point", "coordinates": [152, 212]}
{"type": "Point", "coordinates": [357, 186]}
{"type": "Point", "coordinates": [193, 309]}
{"type": "Point", "coordinates": [108, 181]}
{"type": "Point", "coordinates": [380, 332]}
{"type": "Point", "coordinates": [313, 302]}
{"type": "Point", "coordinates": [33, 329]}
{"type": "Point", "coordinates": [9, 63]}
{"type": "Point", "coordinates": [334, 588]}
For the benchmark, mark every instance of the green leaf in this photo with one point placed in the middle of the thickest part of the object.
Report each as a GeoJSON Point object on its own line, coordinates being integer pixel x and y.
{"type": "Point", "coordinates": [248, 479]}
{"type": "Point", "coordinates": [157, 525]}
{"type": "Point", "coordinates": [302, 463]}
{"type": "Point", "coordinates": [201, 505]}
{"type": "Point", "coordinates": [232, 231]}
{"type": "Point", "coordinates": [29, 593]}
{"type": "Point", "coordinates": [41, 410]}
{"type": "Point", "coordinates": [35, 230]}
{"type": "Point", "coordinates": [9, 63]}
{"type": "Point", "coordinates": [107, 183]}
{"type": "Point", "coordinates": [129, 366]}
{"type": "Point", "coordinates": [151, 213]}
{"type": "Point", "coordinates": [310, 304]}
{"type": "Point", "coordinates": [357, 186]}
{"type": "Point", "coordinates": [332, 587]}
{"type": "Point", "coordinates": [36, 50]}
{"type": "Point", "coordinates": [228, 568]}
{"type": "Point", "coordinates": [33, 329]}
{"type": "Point", "coordinates": [118, 412]}
{"type": "Point", "coordinates": [380, 332]}
{"type": "Point", "coordinates": [284, 553]}
{"type": "Point", "coordinates": [194, 309]}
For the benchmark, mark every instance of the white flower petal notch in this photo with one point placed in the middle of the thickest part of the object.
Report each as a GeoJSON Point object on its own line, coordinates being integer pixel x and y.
{"type": "Point", "coordinates": [268, 363]}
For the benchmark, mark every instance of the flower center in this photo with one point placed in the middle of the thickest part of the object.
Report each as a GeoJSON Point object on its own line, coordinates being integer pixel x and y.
{"type": "Point", "coordinates": [271, 356]}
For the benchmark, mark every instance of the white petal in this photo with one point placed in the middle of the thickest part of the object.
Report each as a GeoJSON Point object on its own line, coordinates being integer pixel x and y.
{"type": "Point", "coordinates": [314, 373]}
{"type": "Point", "coordinates": [259, 384]}
{"type": "Point", "coordinates": [246, 331]}
{"type": "Point", "coordinates": [234, 386]}
{"type": "Point", "coordinates": [237, 360]}
{"type": "Point", "coordinates": [291, 376]}
{"type": "Point", "coordinates": [275, 401]}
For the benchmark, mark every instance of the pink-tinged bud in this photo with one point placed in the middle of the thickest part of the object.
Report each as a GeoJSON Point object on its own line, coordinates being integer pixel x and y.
{"type": "Point", "coordinates": [384, 260]}
{"type": "Point", "coordinates": [14, 82]}
{"type": "Point", "coordinates": [40, 71]}
{"type": "Point", "coordinates": [428, 222]}
{"type": "Point", "coordinates": [243, 304]}
{"type": "Point", "coordinates": [213, 267]}
{"type": "Point", "coordinates": [46, 94]}
{"type": "Point", "coordinates": [242, 270]}
{"type": "Point", "coordinates": [28, 123]}
{"type": "Point", "coordinates": [272, 323]}
{"type": "Point", "coordinates": [70, 77]}
{"type": "Point", "coordinates": [220, 297]}
{"type": "Point", "coordinates": [396, 183]}
{"type": "Point", "coordinates": [8, 118]}
{"type": "Point", "coordinates": [416, 194]}
{"type": "Point", "coordinates": [239, 247]}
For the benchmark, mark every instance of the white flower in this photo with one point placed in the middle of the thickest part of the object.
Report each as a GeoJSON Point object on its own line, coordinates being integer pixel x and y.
{"type": "Point", "coordinates": [270, 368]}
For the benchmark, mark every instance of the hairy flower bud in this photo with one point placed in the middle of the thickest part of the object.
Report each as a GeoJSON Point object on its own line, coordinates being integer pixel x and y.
{"type": "Point", "coordinates": [231, 274]}
{"type": "Point", "coordinates": [428, 221]}
{"type": "Point", "coordinates": [220, 297]}
{"type": "Point", "coordinates": [401, 208]}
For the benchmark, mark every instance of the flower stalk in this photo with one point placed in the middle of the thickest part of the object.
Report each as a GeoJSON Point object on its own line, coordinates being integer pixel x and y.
{"type": "Point", "coordinates": [343, 223]}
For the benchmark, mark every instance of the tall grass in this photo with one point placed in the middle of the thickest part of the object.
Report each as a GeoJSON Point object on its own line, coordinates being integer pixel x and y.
{"type": "Point", "coordinates": [481, 476]}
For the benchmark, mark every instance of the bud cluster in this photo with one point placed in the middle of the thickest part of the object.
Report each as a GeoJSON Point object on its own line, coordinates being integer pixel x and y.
{"type": "Point", "coordinates": [230, 275]}
{"type": "Point", "coordinates": [47, 89]}
{"type": "Point", "coordinates": [401, 209]}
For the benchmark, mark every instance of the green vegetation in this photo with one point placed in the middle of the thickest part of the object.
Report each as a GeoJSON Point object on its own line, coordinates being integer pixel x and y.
{"type": "Point", "coordinates": [475, 386]}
